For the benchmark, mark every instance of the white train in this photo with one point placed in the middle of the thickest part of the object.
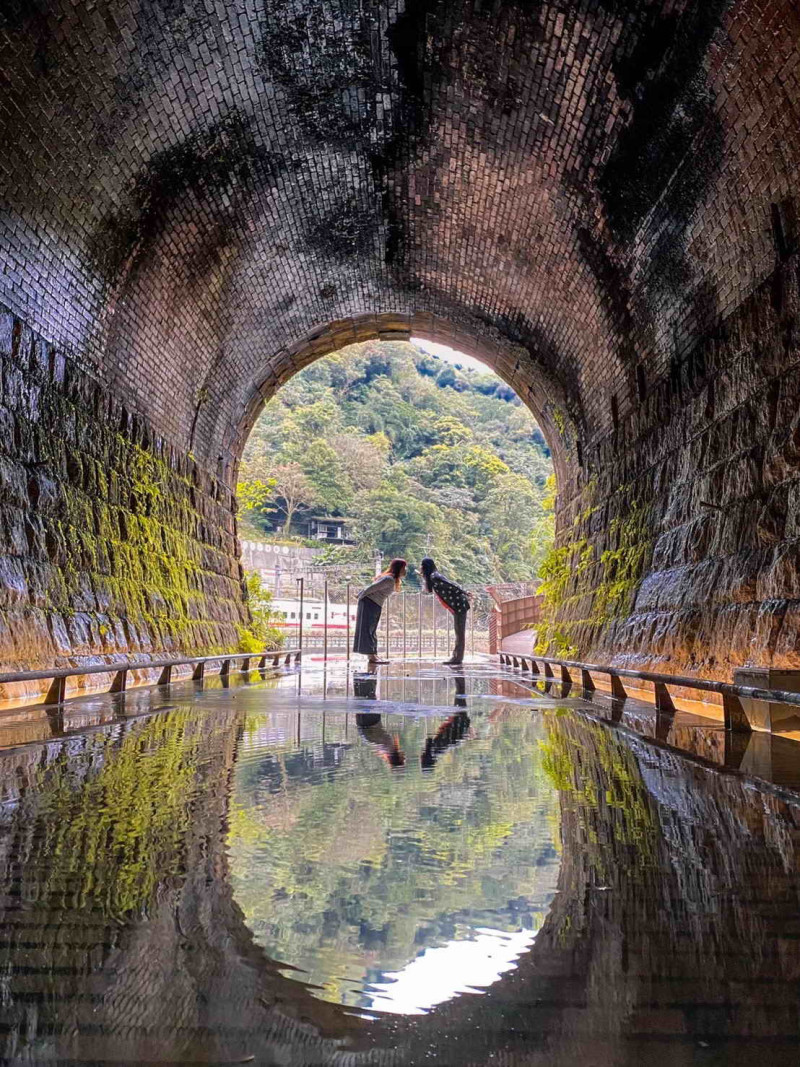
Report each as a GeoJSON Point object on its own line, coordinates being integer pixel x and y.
{"type": "Point", "coordinates": [288, 614]}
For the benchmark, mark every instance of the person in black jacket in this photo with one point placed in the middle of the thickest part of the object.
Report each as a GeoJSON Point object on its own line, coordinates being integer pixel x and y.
{"type": "Point", "coordinates": [452, 597]}
{"type": "Point", "coordinates": [450, 732]}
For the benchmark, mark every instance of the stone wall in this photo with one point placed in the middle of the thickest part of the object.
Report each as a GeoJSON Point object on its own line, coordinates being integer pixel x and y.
{"type": "Point", "coordinates": [202, 197]}
{"type": "Point", "coordinates": [111, 541]}
{"type": "Point", "coordinates": [681, 548]}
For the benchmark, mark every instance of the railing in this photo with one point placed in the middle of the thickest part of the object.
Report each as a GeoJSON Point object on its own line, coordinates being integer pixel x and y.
{"type": "Point", "coordinates": [511, 616]}
{"type": "Point", "coordinates": [735, 715]}
{"type": "Point", "coordinates": [410, 623]}
{"type": "Point", "coordinates": [56, 693]}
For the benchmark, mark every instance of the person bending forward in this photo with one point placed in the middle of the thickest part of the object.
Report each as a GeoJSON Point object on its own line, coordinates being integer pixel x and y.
{"type": "Point", "coordinates": [370, 607]}
{"type": "Point", "coordinates": [452, 597]}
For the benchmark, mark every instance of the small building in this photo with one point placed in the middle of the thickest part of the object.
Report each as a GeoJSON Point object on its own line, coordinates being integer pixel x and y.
{"type": "Point", "coordinates": [328, 528]}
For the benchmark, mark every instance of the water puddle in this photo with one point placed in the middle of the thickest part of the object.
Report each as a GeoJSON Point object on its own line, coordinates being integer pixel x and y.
{"type": "Point", "coordinates": [377, 853]}
{"type": "Point", "coordinates": [427, 868]}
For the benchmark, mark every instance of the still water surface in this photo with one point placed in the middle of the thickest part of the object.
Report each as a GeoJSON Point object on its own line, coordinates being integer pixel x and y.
{"type": "Point", "coordinates": [433, 868]}
{"type": "Point", "coordinates": [397, 859]}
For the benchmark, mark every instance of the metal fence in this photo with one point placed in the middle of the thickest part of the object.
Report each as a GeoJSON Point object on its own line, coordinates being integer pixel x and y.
{"type": "Point", "coordinates": [412, 624]}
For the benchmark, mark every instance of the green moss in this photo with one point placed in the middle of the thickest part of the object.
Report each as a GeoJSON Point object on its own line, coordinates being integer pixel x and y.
{"type": "Point", "coordinates": [623, 566]}
{"type": "Point", "coordinates": [560, 421]}
{"type": "Point", "coordinates": [131, 529]}
{"type": "Point", "coordinates": [571, 571]}
{"type": "Point", "coordinates": [114, 835]}
{"type": "Point", "coordinates": [598, 775]}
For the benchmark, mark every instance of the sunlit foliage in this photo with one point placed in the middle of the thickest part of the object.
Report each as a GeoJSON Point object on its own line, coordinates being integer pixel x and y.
{"type": "Point", "coordinates": [421, 457]}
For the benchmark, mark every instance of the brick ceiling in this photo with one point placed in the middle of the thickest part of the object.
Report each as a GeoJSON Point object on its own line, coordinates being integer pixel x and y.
{"type": "Point", "coordinates": [198, 196]}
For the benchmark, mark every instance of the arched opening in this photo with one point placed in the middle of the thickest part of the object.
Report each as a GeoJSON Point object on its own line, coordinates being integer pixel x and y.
{"type": "Point", "coordinates": [222, 195]}
{"type": "Point", "coordinates": [518, 366]}
{"type": "Point", "coordinates": [394, 449]}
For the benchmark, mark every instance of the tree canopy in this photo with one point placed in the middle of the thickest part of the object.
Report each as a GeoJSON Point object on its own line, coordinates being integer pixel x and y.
{"type": "Point", "coordinates": [422, 456]}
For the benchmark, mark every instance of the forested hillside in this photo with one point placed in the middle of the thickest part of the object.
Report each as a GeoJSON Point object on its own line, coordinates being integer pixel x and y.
{"type": "Point", "coordinates": [422, 456]}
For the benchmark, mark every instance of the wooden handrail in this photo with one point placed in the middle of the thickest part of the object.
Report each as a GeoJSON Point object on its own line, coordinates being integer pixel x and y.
{"type": "Point", "coordinates": [735, 717]}
{"type": "Point", "coordinates": [58, 676]}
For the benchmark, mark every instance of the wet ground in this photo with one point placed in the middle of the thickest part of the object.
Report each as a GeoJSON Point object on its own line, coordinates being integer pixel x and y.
{"type": "Point", "coordinates": [428, 866]}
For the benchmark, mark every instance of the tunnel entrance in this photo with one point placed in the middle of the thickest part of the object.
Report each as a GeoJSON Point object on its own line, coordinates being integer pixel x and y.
{"type": "Point", "coordinates": [599, 197]}
{"type": "Point", "coordinates": [391, 449]}
{"type": "Point", "coordinates": [201, 199]}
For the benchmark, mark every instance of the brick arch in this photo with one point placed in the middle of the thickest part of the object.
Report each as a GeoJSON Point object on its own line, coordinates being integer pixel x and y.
{"type": "Point", "coordinates": [606, 188]}
{"type": "Point", "coordinates": [515, 365]}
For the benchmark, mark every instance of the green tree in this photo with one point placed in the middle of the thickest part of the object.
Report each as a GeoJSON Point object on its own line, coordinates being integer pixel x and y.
{"type": "Point", "coordinates": [255, 495]}
{"type": "Point", "coordinates": [316, 420]}
{"type": "Point", "coordinates": [391, 519]}
{"type": "Point", "coordinates": [262, 632]}
{"type": "Point", "coordinates": [294, 488]}
{"type": "Point", "coordinates": [362, 457]}
{"type": "Point", "coordinates": [399, 439]}
{"type": "Point", "coordinates": [325, 470]}
{"type": "Point", "coordinates": [544, 528]}
{"type": "Point", "coordinates": [451, 431]}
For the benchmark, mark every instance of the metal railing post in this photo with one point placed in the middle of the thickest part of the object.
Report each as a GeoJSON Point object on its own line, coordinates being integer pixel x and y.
{"type": "Point", "coordinates": [472, 626]}
{"type": "Point", "coordinates": [301, 582]}
{"type": "Point", "coordinates": [120, 683]}
{"type": "Point", "coordinates": [387, 628]}
{"type": "Point", "coordinates": [348, 622]}
{"type": "Point", "coordinates": [404, 626]}
{"type": "Point", "coordinates": [433, 604]}
{"type": "Point", "coordinates": [56, 692]}
{"type": "Point", "coordinates": [419, 624]}
{"type": "Point", "coordinates": [325, 620]}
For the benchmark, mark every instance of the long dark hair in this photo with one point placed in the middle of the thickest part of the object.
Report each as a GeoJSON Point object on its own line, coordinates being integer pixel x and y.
{"type": "Point", "coordinates": [395, 569]}
{"type": "Point", "coordinates": [428, 568]}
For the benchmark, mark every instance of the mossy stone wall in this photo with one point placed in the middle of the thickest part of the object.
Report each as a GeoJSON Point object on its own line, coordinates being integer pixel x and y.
{"type": "Point", "coordinates": [679, 548]}
{"type": "Point", "coordinates": [111, 540]}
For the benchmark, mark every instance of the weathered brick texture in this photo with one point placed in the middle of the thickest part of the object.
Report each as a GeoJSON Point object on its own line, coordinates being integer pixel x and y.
{"type": "Point", "coordinates": [111, 540]}
{"type": "Point", "coordinates": [691, 506]}
{"type": "Point", "coordinates": [202, 196]}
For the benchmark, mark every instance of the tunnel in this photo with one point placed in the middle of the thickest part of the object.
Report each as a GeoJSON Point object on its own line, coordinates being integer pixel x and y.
{"type": "Point", "coordinates": [595, 197]}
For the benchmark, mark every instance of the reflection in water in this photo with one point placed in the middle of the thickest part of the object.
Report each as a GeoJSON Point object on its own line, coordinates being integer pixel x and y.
{"type": "Point", "coordinates": [349, 874]}
{"type": "Point", "coordinates": [371, 729]}
{"type": "Point", "coordinates": [161, 876]}
{"type": "Point", "coordinates": [449, 733]}
{"type": "Point", "coordinates": [370, 724]}
{"type": "Point", "coordinates": [439, 974]}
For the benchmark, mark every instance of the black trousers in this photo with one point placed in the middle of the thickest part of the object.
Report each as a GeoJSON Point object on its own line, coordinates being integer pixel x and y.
{"type": "Point", "coordinates": [460, 629]}
{"type": "Point", "coordinates": [368, 615]}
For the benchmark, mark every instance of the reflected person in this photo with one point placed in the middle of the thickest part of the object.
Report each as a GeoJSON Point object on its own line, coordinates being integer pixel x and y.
{"type": "Point", "coordinates": [451, 731]}
{"type": "Point", "coordinates": [370, 727]}
{"type": "Point", "coordinates": [370, 607]}
{"type": "Point", "coordinates": [388, 745]}
{"type": "Point", "coordinates": [455, 600]}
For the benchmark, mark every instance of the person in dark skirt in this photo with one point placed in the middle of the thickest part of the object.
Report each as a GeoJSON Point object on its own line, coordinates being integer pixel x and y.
{"type": "Point", "coordinates": [452, 597]}
{"type": "Point", "coordinates": [370, 607]}
{"type": "Point", "coordinates": [371, 729]}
